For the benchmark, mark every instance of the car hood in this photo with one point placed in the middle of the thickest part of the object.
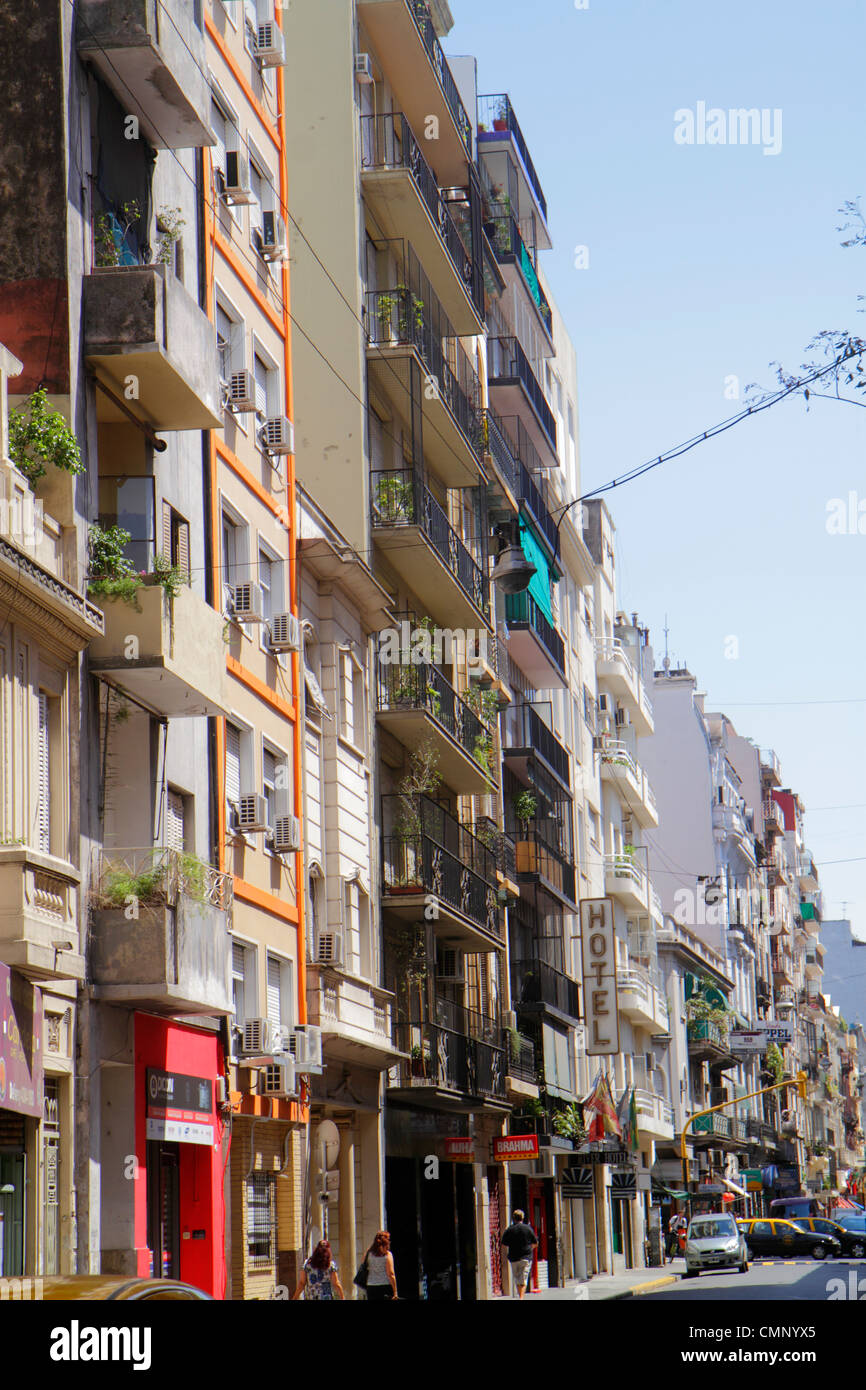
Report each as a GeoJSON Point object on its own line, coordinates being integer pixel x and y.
{"type": "Point", "coordinates": [707, 1243]}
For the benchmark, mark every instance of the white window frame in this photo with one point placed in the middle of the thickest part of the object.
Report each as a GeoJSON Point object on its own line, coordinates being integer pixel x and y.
{"type": "Point", "coordinates": [348, 663]}
{"type": "Point", "coordinates": [241, 569]}
{"type": "Point", "coordinates": [237, 340]}
{"type": "Point", "coordinates": [277, 590]}
{"type": "Point", "coordinates": [288, 1012]}
{"type": "Point", "coordinates": [250, 979]}
{"type": "Point", "coordinates": [266, 198]}
{"type": "Point", "coordinates": [273, 384]}
{"type": "Point", "coordinates": [280, 805]}
{"type": "Point", "coordinates": [249, 782]}
{"type": "Point", "coordinates": [233, 141]}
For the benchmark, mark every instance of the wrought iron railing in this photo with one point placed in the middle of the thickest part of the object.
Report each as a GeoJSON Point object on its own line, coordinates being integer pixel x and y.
{"type": "Point", "coordinates": [497, 111]}
{"type": "Point", "coordinates": [525, 729]}
{"type": "Point", "coordinates": [154, 875]}
{"type": "Point", "coordinates": [510, 245]}
{"type": "Point", "coordinates": [423, 687]}
{"type": "Point", "coordinates": [408, 816]}
{"type": "Point", "coordinates": [521, 610]}
{"type": "Point", "coordinates": [418, 865]}
{"type": "Point", "coordinates": [506, 361]}
{"type": "Point", "coordinates": [399, 497]}
{"type": "Point", "coordinates": [536, 982]}
{"type": "Point", "coordinates": [447, 1060]}
{"type": "Point", "coordinates": [420, 11]}
{"type": "Point", "coordinates": [521, 1056]}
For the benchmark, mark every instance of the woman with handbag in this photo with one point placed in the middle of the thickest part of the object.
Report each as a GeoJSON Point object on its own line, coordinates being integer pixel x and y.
{"type": "Point", "coordinates": [319, 1278]}
{"type": "Point", "coordinates": [376, 1272]}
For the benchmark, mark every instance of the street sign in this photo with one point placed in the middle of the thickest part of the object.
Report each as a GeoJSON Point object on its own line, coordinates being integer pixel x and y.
{"type": "Point", "coordinates": [598, 951]}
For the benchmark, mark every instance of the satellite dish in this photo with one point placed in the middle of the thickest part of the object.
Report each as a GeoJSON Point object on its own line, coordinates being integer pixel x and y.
{"type": "Point", "coordinates": [328, 1136]}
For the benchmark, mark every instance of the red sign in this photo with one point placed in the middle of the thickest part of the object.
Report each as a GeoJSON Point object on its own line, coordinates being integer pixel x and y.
{"type": "Point", "coordinates": [515, 1146]}
{"type": "Point", "coordinates": [20, 1044]}
{"type": "Point", "coordinates": [460, 1148]}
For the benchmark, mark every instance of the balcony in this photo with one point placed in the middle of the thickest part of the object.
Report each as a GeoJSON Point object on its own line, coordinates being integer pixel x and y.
{"type": "Point", "coordinates": [515, 390]}
{"type": "Point", "coordinates": [774, 823]}
{"type": "Point", "coordinates": [416, 704]}
{"type": "Point", "coordinates": [167, 652]}
{"type": "Point", "coordinates": [174, 955]}
{"type": "Point", "coordinates": [427, 854]}
{"type": "Point", "coordinates": [708, 1041]}
{"type": "Point", "coordinates": [39, 915]}
{"type": "Point", "coordinates": [498, 128]}
{"type": "Point", "coordinates": [641, 1000]}
{"type": "Point", "coordinates": [140, 322]}
{"type": "Point", "coordinates": [783, 968]}
{"type": "Point", "coordinates": [412, 529]}
{"type": "Point", "coordinates": [655, 1116]}
{"type": "Point", "coordinates": [421, 79]}
{"type": "Point", "coordinates": [540, 861]}
{"type": "Point", "coordinates": [354, 1016]}
{"type": "Point", "coordinates": [614, 667]}
{"type": "Point", "coordinates": [519, 265]}
{"type": "Point", "coordinates": [522, 1079]}
{"type": "Point", "coordinates": [771, 768]}
{"type": "Point", "coordinates": [401, 190]}
{"type": "Point", "coordinates": [712, 1126]}
{"type": "Point", "coordinates": [729, 823]}
{"type": "Point", "coordinates": [619, 767]}
{"type": "Point", "coordinates": [814, 961]}
{"type": "Point", "coordinates": [443, 1067]}
{"type": "Point", "coordinates": [534, 642]}
{"type": "Point", "coordinates": [626, 879]}
{"type": "Point", "coordinates": [535, 985]}
{"type": "Point", "coordinates": [406, 330]}
{"type": "Point", "coordinates": [526, 736]}
{"type": "Point", "coordinates": [807, 872]}
{"type": "Point", "coordinates": [151, 54]}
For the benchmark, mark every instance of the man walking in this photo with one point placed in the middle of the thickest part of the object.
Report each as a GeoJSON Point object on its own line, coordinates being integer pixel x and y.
{"type": "Point", "coordinates": [519, 1240]}
{"type": "Point", "coordinates": [676, 1224]}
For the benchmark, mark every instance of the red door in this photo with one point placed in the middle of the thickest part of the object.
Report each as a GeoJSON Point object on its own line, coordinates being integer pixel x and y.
{"type": "Point", "coordinates": [537, 1216]}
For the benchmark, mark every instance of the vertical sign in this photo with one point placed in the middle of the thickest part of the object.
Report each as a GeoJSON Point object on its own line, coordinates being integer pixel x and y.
{"type": "Point", "coordinates": [598, 950]}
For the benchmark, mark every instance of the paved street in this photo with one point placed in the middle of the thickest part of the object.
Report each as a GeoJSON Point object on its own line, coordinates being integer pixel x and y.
{"type": "Point", "coordinates": [791, 1280]}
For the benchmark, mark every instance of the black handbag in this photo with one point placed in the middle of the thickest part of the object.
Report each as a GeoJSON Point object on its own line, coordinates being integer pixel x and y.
{"type": "Point", "coordinates": [363, 1273]}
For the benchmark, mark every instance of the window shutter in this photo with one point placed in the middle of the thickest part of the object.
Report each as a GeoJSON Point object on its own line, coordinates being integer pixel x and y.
{"type": "Point", "coordinates": [261, 375]}
{"type": "Point", "coordinates": [43, 825]}
{"type": "Point", "coordinates": [182, 560]}
{"type": "Point", "coordinates": [274, 990]}
{"type": "Point", "coordinates": [233, 763]}
{"type": "Point", "coordinates": [218, 124]}
{"type": "Point", "coordinates": [174, 819]}
{"type": "Point", "coordinates": [239, 960]}
{"type": "Point", "coordinates": [165, 536]}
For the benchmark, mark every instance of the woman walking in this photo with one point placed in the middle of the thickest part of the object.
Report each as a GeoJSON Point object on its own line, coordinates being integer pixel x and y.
{"type": "Point", "coordinates": [379, 1262]}
{"type": "Point", "coordinates": [319, 1278]}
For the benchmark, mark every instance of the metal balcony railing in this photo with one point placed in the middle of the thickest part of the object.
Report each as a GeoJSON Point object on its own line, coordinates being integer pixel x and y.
{"type": "Point", "coordinates": [536, 982]}
{"type": "Point", "coordinates": [510, 245]}
{"type": "Point", "coordinates": [419, 865]}
{"type": "Point", "coordinates": [388, 142]}
{"type": "Point", "coordinates": [506, 361]}
{"type": "Point", "coordinates": [494, 111]}
{"type": "Point", "coordinates": [400, 497]}
{"type": "Point", "coordinates": [420, 11]}
{"type": "Point", "coordinates": [159, 876]}
{"type": "Point", "coordinates": [447, 1060]}
{"type": "Point", "coordinates": [521, 1057]}
{"type": "Point", "coordinates": [521, 610]}
{"type": "Point", "coordinates": [536, 857]}
{"type": "Point", "coordinates": [525, 729]}
{"type": "Point", "coordinates": [423, 687]}
{"type": "Point", "coordinates": [406, 817]}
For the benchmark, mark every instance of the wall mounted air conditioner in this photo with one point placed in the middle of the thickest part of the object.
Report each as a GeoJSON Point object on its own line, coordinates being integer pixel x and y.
{"type": "Point", "coordinates": [270, 48]}
{"type": "Point", "coordinates": [278, 1079]}
{"type": "Point", "coordinates": [286, 835]}
{"type": "Point", "coordinates": [252, 813]}
{"type": "Point", "coordinates": [237, 186]}
{"type": "Point", "coordinates": [273, 242]}
{"type": "Point", "coordinates": [261, 1041]}
{"type": "Point", "coordinates": [285, 633]}
{"type": "Point", "coordinates": [363, 69]}
{"type": "Point", "coordinates": [248, 603]}
{"type": "Point", "coordinates": [242, 392]}
{"type": "Point", "coordinates": [329, 948]}
{"type": "Point", "coordinates": [305, 1045]}
{"type": "Point", "coordinates": [278, 435]}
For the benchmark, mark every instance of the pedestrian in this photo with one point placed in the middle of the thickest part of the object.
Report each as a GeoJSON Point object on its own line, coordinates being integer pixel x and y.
{"type": "Point", "coordinates": [519, 1240]}
{"type": "Point", "coordinates": [676, 1225]}
{"type": "Point", "coordinates": [319, 1278]}
{"type": "Point", "coordinates": [378, 1267]}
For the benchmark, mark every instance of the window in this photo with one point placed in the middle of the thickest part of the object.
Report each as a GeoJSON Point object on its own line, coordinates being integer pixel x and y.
{"type": "Point", "coordinates": [229, 332]}
{"type": "Point", "coordinates": [261, 1218]}
{"type": "Point", "coordinates": [278, 999]}
{"type": "Point", "coordinates": [267, 386]}
{"type": "Point", "coordinates": [131, 503]}
{"type": "Point", "coordinates": [266, 581]}
{"type": "Point", "coordinates": [175, 817]}
{"type": "Point", "coordinates": [175, 539]}
{"type": "Point", "coordinates": [233, 764]}
{"type": "Point", "coordinates": [593, 827]}
{"type": "Point", "coordinates": [275, 782]}
{"type": "Point", "coordinates": [235, 548]}
{"type": "Point", "coordinates": [43, 785]}
{"type": "Point", "coordinates": [273, 587]}
{"type": "Point", "coordinates": [243, 981]}
{"type": "Point", "coordinates": [352, 700]}
{"type": "Point", "coordinates": [558, 1070]}
{"type": "Point", "coordinates": [356, 920]}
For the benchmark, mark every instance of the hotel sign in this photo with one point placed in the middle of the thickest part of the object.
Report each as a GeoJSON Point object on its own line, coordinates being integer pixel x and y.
{"type": "Point", "coordinates": [598, 951]}
{"type": "Point", "coordinates": [759, 1039]}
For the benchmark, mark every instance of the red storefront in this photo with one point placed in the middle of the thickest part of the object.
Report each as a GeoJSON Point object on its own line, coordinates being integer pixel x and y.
{"type": "Point", "coordinates": [181, 1148]}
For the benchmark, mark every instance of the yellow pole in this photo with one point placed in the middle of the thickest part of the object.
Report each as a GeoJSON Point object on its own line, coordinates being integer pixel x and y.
{"type": "Point", "coordinates": [799, 1081]}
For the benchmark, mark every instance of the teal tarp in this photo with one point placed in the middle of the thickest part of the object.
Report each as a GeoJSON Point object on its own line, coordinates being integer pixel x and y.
{"type": "Point", "coordinates": [539, 584]}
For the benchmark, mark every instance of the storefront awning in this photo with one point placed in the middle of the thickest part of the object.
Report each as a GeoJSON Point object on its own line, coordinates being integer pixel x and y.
{"type": "Point", "coordinates": [735, 1187]}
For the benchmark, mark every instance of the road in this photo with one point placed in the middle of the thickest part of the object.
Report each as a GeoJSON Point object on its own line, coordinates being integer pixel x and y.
{"type": "Point", "coordinates": [797, 1280]}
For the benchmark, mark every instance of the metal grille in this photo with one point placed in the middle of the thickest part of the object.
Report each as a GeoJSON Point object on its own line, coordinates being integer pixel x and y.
{"type": "Point", "coordinates": [261, 1219]}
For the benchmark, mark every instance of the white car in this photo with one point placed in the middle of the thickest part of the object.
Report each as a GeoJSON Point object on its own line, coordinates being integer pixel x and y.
{"type": "Point", "coordinates": [714, 1241]}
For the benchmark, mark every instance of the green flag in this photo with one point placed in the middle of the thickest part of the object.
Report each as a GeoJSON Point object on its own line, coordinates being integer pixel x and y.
{"type": "Point", "coordinates": [634, 1142]}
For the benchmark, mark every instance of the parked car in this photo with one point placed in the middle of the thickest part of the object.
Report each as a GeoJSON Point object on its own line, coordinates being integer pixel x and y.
{"type": "Point", "coordinates": [852, 1242]}
{"type": "Point", "coordinates": [96, 1287]}
{"type": "Point", "coordinates": [714, 1242]}
{"type": "Point", "coordinates": [786, 1238]}
{"type": "Point", "coordinates": [852, 1222]}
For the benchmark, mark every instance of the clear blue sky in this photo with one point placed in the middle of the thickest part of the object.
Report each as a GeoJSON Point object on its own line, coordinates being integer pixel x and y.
{"type": "Point", "coordinates": [708, 262]}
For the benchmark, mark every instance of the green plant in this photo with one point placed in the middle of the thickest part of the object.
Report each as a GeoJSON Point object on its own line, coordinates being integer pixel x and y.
{"type": "Point", "coordinates": [112, 575]}
{"type": "Point", "coordinates": [168, 576]}
{"type": "Point", "coordinates": [434, 700]}
{"type": "Point", "coordinates": [395, 498]}
{"type": "Point", "coordinates": [111, 231]}
{"type": "Point", "coordinates": [385, 305]}
{"type": "Point", "coordinates": [774, 1061]}
{"type": "Point", "coordinates": [121, 883]}
{"type": "Point", "coordinates": [535, 1108]}
{"type": "Point", "coordinates": [501, 109]}
{"type": "Point", "coordinates": [39, 437]}
{"type": "Point", "coordinates": [525, 807]}
{"type": "Point", "coordinates": [567, 1123]}
{"type": "Point", "coordinates": [125, 587]}
{"type": "Point", "coordinates": [483, 703]}
{"type": "Point", "coordinates": [192, 875]}
{"type": "Point", "coordinates": [421, 778]}
{"type": "Point", "coordinates": [482, 752]}
{"type": "Point", "coordinates": [168, 223]}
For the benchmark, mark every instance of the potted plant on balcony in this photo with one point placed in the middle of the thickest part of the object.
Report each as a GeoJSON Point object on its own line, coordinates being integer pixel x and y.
{"type": "Point", "coordinates": [112, 575]}
{"type": "Point", "coordinates": [500, 120]}
{"type": "Point", "coordinates": [420, 1059]}
{"type": "Point", "coordinates": [111, 231]}
{"type": "Point", "coordinates": [40, 438]}
{"type": "Point", "coordinates": [525, 807]}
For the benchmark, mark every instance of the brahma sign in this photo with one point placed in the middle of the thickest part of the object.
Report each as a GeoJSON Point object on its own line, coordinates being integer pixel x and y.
{"type": "Point", "coordinates": [598, 950]}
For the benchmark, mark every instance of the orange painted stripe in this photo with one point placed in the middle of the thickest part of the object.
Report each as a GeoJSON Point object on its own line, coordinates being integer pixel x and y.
{"type": "Point", "coordinates": [269, 1107]}
{"type": "Point", "coordinates": [259, 897]}
{"type": "Point", "coordinates": [229, 60]}
{"type": "Point", "coordinates": [258, 687]}
{"type": "Point", "coordinates": [266, 498]}
{"type": "Point", "coordinates": [231, 257]}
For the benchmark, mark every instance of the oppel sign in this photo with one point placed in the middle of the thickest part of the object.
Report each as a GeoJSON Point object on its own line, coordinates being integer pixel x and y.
{"type": "Point", "coordinates": [598, 951]}
{"type": "Point", "coordinates": [514, 1147]}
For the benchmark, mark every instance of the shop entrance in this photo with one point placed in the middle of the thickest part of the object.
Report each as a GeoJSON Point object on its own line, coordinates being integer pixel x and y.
{"type": "Point", "coordinates": [621, 1237]}
{"type": "Point", "coordinates": [433, 1217]}
{"type": "Point", "coordinates": [12, 1166]}
{"type": "Point", "coordinates": [163, 1208]}
{"type": "Point", "coordinates": [537, 1218]}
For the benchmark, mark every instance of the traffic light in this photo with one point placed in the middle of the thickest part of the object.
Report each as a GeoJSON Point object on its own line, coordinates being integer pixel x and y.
{"type": "Point", "coordinates": [801, 1084]}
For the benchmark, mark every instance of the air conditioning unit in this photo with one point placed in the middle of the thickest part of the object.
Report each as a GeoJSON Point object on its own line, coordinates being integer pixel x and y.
{"type": "Point", "coordinates": [600, 742]}
{"type": "Point", "coordinates": [237, 178]}
{"type": "Point", "coordinates": [262, 1041]}
{"type": "Point", "coordinates": [248, 603]}
{"type": "Point", "coordinates": [252, 813]}
{"type": "Point", "coordinates": [329, 948]}
{"type": "Point", "coordinates": [278, 1078]}
{"type": "Point", "coordinates": [278, 435]}
{"type": "Point", "coordinates": [270, 49]}
{"type": "Point", "coordinates": [272, 238]}
{"type": "Point", "coordinates": [286, 835]}
{"type": "Point", "coordinates": [305, 1045]}
{"type": "Point", "coordinates": [363, 69]}
{"type": "Point", "coordinates": [453, 968]}
{"type": "Point", "coordinates": [242, 391]}
{"type": "Point", "coordinates": [285, 633]}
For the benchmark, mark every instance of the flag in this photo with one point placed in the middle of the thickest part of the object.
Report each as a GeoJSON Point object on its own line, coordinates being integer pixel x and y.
{"type": "Point", "coordinates": [626, 1114]}
{"type": "Point", "coordinates": [634, 1141]}
{"type": "Point", "coordinates": [600, 1108]}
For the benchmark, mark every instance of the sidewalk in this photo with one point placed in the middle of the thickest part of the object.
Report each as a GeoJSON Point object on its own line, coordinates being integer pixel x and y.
{"type": "Point", "coordinates": [631, 1284]}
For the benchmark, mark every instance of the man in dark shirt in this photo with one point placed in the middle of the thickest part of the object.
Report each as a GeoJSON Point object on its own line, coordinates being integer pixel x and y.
{"type": "Point", "coordinates": [519, 1241]}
